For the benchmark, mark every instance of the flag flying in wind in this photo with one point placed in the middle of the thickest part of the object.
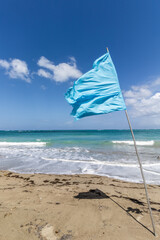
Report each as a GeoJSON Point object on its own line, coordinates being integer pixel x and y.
{"type": "Point", "coordinates": [97, 91]}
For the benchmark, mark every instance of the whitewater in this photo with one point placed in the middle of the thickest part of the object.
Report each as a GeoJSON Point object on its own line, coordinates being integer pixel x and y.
{"type": "Point", "coordinates": [107, 152]}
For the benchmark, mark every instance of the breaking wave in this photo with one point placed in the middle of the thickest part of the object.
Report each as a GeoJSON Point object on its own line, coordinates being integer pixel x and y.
{"type": "Point", "coordinates": [139, 143]}
{"type": "Point", "coordinates": [30, 144]}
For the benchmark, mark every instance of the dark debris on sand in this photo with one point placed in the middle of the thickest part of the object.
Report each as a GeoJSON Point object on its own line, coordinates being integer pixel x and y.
{"type": "Point", "coordinates": [92, 194]}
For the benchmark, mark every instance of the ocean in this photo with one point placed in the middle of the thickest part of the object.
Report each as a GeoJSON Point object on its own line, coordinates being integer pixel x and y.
{"type": "Point", "coordinates": [103, 152]}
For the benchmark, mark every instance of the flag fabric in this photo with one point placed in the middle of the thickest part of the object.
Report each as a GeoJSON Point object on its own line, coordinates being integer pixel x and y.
{"type": "Point", "coordinates": [97, 91]}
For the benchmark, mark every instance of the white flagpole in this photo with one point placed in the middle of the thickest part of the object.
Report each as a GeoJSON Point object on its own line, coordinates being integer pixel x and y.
{"type": "Point", "coordinates": [145, 186]}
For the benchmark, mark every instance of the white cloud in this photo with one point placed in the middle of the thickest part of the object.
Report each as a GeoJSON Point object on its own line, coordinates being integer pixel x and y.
{"type": "Point", "coordinates": [144, 100]}
{"type": "Point", "coordinates": [156, 82]}
{"type": "Point", "coordinates": [138, 92]}
{"type": "Point", "coordinates": [4, 64]}
{"type": "Point", "coordinates": [59, 73]}
{"type": "Point", "coordinates": [19, 69]}
{"type": "Point", "coordinates": [43, 73]}
{"type": "Point", "coordinates": [16, 68]}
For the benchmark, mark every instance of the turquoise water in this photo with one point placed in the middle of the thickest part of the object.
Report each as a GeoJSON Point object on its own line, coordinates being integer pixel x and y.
{"type": "Point", "coordinates": [106, 152]}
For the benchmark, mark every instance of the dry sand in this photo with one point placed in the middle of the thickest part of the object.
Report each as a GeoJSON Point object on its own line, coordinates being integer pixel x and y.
{"type": "Point", "coordinates": [80, 207]}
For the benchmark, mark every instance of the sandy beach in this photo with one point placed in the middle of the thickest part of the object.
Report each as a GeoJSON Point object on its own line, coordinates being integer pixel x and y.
{"type": "Point", "coordinates": [67, 207]}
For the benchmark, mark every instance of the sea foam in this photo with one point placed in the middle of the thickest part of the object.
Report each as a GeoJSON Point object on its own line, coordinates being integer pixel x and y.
{"type": "Point", "coordinates": [140, 143]}
{"type": "Point", "coordinates": [7, 144]}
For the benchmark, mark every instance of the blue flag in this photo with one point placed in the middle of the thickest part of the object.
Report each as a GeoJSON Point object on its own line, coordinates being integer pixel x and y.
{"type": "Point", "coordinates": [97, 91]}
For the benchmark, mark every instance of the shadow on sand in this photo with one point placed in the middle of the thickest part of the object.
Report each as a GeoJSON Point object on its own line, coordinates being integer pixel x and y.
{"type": "Point", "coordinates": [98, 194]}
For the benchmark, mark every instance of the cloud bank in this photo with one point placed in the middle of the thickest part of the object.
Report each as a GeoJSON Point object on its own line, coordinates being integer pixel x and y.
{"type": "Point", "coordinates": [16, 68]}
{"type": "Point", "coordinates": [143, 101]}
{"type": "Point", "coordinates": [59, 73]}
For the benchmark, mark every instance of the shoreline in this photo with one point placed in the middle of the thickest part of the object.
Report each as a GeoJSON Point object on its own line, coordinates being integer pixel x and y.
{"type": "Point", "coordinates": [88, 174]}
{"type": "Point", "coordinates": [68, 207]}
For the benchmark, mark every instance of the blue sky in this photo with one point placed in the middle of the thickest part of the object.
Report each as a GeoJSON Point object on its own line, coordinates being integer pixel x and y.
{"type": "Point", "coordinates": [46, 45]}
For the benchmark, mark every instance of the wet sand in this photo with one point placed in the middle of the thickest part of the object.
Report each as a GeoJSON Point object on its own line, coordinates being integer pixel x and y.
{"type": "Point", "coordinates": [68, 207]}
